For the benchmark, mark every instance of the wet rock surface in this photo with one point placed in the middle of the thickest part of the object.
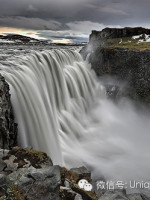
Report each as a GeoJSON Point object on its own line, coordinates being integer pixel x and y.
{"type": "Point", "coordinates": [8, 128]}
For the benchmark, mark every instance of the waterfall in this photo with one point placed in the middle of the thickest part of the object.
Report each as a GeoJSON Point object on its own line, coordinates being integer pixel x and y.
{"type": "Point", "coordinates": [51, 92]}
{"type": "Point", "coordinates": [61, 108]}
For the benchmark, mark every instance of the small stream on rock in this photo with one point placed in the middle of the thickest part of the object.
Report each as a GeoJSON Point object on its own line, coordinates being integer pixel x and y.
{"type": "Point", "coordinates": [61, 108]}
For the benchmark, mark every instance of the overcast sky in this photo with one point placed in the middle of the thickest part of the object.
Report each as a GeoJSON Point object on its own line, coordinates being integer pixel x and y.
{"type": "Point", "coordinates": [70, 20]}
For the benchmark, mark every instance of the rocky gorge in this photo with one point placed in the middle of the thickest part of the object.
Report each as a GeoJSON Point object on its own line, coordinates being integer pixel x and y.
{"type": "Point", "coordinates": [30, 174]}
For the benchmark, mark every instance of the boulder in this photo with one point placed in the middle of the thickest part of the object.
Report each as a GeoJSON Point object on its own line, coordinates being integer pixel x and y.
{"type": "Point", "coordinates": [135, 197]}
{"type": "Point", "coordinates": [121, 195]}
{"type": "Point", "coordinates": [37, 184]}
{"type": "Point", "coordinates": [67, 194]}
{"type": "Point", "coordinates": [28, 174]}
{"type": "Point", "coordinates": [114, 194]}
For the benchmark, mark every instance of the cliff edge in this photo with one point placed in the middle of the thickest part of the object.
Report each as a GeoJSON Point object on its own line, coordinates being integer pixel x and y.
{"type": "Point", "coordinates": [8, 128]}
{"type": "Point", "coordinates": [124, 54]}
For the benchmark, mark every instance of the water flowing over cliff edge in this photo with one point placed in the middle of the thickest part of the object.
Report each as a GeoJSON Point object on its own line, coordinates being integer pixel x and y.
{"type": "Point", "coordinates": [61, 108]}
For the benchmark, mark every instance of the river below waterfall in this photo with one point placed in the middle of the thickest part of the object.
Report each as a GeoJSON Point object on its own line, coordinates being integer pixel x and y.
{"type": "Point", "coordinates": [61, 108]}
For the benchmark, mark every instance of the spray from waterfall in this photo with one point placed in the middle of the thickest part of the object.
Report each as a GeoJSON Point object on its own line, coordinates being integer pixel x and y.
{"type": "Point", "coordinates": [61, 108]}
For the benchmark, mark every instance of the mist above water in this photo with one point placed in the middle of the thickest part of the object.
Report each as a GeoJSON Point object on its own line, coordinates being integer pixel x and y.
{"type": "Point", "coordinates": [62, 109]}
{"type": "Point", "coordinates": [117, 141]}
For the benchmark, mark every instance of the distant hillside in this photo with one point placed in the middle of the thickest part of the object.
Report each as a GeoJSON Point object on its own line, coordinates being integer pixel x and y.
{"type": "Point", "coordinates": [18, 39]}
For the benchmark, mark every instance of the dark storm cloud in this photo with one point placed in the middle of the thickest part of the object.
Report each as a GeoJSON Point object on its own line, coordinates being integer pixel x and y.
{"type": "Point", "coordinates": [29, 23]}
{"type": "Point", "coordinates": [78, 16]}
{"type": "Point", "coordinates": [57, 35]}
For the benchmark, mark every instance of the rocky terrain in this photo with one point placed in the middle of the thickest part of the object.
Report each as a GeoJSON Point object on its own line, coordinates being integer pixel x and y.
{"type": "Point", "coordinates": [123, 54]}
{"type": "Point", "coordinates": [8, 128]}
{"type": "Point", "coordinates": [29, 174]}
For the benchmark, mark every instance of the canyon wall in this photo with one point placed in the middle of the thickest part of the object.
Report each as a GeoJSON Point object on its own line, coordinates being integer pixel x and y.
{"type": "Point", "coordinates": [123, 54]}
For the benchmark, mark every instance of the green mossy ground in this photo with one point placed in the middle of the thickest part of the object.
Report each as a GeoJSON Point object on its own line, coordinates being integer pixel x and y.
{"type": "Point", "coordinates": [128, 43]}
{"type": "Point", "coordinates": [36, 158]}
{"type": "Point", "coordinates": [12, 193]}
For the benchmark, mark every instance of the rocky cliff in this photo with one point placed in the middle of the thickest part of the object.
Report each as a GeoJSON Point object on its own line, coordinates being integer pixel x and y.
{"type": "Point", "coordinates": [8, 129]}
{"type": "Point", "coordinates": [124, 54]}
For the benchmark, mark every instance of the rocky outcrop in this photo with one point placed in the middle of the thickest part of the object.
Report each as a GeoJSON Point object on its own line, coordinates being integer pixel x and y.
{"type": "Point", "coordinates": [8, 128]}
{"type": "Point", "coordinates": [101, 37]}
{"type": "Point", "coordinates": [29, 174]}
{"type": "Point", "coordinates": [117, 53]}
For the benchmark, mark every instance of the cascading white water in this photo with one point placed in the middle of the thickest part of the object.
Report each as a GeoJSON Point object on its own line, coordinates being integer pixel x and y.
{"type": "Point", "coordinates": [61, 109]}
{"type": "Point", "coordinates": [50, 92]}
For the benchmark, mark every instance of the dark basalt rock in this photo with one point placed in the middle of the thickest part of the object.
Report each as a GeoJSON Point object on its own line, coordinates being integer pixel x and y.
{"type": "Point", "coordinates": [8, 128]}
{"type": "Point", "coordinates": [127, 63]}
{"type": "Point", "coordinates": [109, 33]}
{"type": "Point", "coordinates": [130, 66]}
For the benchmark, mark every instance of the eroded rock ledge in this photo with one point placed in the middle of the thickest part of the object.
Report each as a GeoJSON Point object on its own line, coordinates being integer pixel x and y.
{"type": "Point", "coordinates": [123, 54]}
{"type": "Point", "coordinates": [26, 174]}
{"type": "Point", "coordinates": [8, 128]}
